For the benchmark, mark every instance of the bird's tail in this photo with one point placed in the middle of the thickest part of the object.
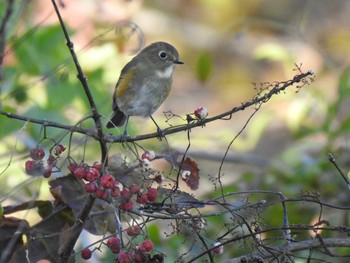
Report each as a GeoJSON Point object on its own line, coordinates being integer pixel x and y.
{"type": "Point", "coordinates": [118, 119]}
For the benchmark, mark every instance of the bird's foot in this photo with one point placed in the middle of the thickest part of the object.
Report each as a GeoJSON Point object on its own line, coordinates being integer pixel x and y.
{"type": "Point", "coordinates": [160, 134]}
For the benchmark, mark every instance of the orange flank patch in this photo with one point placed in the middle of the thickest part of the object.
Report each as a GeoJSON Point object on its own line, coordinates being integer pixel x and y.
{"type": "Point", "coordinates": [123, 83]}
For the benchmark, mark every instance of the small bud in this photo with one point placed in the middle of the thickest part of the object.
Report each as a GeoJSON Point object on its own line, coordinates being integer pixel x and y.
{"type": "Point", "coordinates": [149, 155]}
{"type": "Point", "coordinates": [201, 113]}
{"type": "Point", "coordinates": [219, 249]}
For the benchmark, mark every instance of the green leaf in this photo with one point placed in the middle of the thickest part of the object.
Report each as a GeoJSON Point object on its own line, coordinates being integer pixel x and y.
{"type": "Point", "coordinates": [204, 66]}
{"type": "Point", "coordinates": [40, 50]}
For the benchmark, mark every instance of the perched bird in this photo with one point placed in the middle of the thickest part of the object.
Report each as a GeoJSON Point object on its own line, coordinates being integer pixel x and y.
{"type": "Point", "coordinates": [144, 84]}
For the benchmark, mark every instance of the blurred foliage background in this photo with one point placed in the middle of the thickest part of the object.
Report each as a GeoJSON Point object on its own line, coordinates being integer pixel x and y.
{"type": "Point", "coordinates": [226, 46]}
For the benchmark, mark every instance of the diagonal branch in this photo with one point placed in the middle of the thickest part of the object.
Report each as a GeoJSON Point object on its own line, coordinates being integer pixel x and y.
{"type": "Point", "coordinates": [66, 250]}
{"type": "Point", "coordinates": [3, 25]}
{"type": "Point", "coordinates": [279, 87]}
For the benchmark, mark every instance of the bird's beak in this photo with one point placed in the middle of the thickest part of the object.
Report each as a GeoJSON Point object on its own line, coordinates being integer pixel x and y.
{"type": "Point", "coordinates": [178, 62]}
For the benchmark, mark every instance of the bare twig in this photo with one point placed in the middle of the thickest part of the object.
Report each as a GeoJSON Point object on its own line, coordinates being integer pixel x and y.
{"type": "Point", "coordinates": [174, 129]}
{"type": "Point", "coordinates": [66, 250]}
{"type": "Point", "coordinates": [3, 25]}
{"type": "Point", "coordinates": [294, 247]}
{"type": "Point", "coordinates": [332, 160]}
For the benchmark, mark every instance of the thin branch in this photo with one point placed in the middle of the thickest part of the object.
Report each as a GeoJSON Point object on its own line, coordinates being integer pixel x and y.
{"type": "Point", "coordinates": [66, 250]}
{"type": "Point", "coordinates": [279, 87]}
{"type": "Point", "coordinates": [3, 25]}
{"type": "Point", "coordinates": [294, 247]}
{"type": "Point", "coordinates": [46, 123]}
{"type": "Point", "coordinates": [174, 129]}
{"type": "Point", "coordinates": [332, 160]}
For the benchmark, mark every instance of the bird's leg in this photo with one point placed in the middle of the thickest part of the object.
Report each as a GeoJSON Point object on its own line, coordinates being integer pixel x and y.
{"type": "Point", "coordinates": [160, 133]}
{"type": "Point", "coordinates": [125, 133]}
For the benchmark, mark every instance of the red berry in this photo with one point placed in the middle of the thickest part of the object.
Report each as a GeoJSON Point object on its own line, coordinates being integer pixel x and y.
{"type": "Point", "coordinates": [37, 153]}
{"type": "Point", "coordinates": [115, 192]}
{"type": "Point", "coordinates": [152, 194]}
{"type": "Point", "coordinates": [29, 166]}
{"type": "Point", "coordinates": [71, 167]}
{"type": "Point", "coordinates": [133, 231]}
{"type": "Point", "coordinates": [92, 175]}
{"type": "Point", "coordinates": [142, 199]}
{"type": "Point", "coordinates": [114, 244]}
{"type": "Point", "coordinates": [138, 256]}
{"type": "Point", "coordinates": [33, 167]}
{"type": "Point", "coordinates": [126, 194]}
{"type": "Point", "coordinates": [90, 187]}
{"type": "Point", "coordinates": [124, 257]}
{"type": "Point", "coordinates": [107, 181]}
{"type": "Point", "coordinates": [59, 149]}
{"type": "Point", "coordinates": [127, 205]}
{"type": "Point", "coordinates": [98, 165]}
{"type": "Point", "coordinates": [80, 172]}
{"type": "Point", "coordinates": [48, 172]}
{"type": "Point", "coordinates": [146, 246]}
{"type": "Point", "coordinates": [86, 253]}
{"type": "Point", "coordinates": [101, 194]}
{"type": "Point", "coordinates": [134, 189]}
{"type": "Point", "coordinates": [51, 160]}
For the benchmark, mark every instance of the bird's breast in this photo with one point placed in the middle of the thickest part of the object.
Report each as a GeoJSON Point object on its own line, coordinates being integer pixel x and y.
{"type": "Point", "coordinates": [165, 73]}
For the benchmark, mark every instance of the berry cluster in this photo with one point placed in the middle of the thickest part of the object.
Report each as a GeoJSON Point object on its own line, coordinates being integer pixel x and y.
{"type": "Point", "coordinates": [137, 254]}
{"type": "Point", "coordinates": [37, 166]}
{"type": "Point", "coordinates": [104, 186]}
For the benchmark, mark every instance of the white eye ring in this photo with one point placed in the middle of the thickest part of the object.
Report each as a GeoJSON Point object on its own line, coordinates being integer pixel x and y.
{"type": "Point", "coordinates": [162, 55]}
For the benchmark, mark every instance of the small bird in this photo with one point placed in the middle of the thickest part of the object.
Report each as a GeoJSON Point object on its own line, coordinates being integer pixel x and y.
{"type": "Point", "coordinates": [144, 84]}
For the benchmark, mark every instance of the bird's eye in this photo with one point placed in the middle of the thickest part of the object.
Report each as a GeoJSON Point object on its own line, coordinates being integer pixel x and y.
{"type": "Point", "coordinates": [162, 55]}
